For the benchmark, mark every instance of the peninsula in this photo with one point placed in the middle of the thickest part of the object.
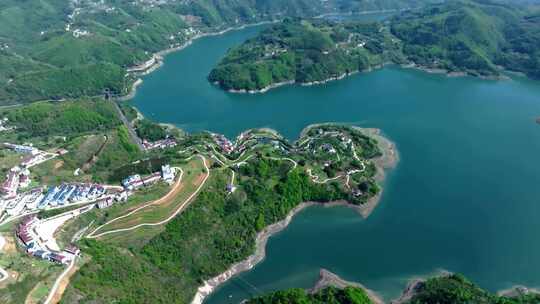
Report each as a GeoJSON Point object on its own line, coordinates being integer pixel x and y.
{"type": "Point", "coordinates": [305, 52]}
{"type": "Point", "coordinates": [85, 182]}
{"type": "Point", "coordinates": [465, 37]}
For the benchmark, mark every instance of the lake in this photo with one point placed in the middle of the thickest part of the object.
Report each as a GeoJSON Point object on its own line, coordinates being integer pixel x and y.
{"type": "Point", "coordinates": [465, 196]}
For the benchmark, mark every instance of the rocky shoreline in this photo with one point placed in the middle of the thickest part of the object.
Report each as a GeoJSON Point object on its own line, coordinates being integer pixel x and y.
{"type": "Point", "coordinates": [388, 160]}
{"type": "Point", "coordinates": [448, 73]}
{"type": "Point", "coordinates": [263, 90]}
{"type": "Point", "coordinates": [342, 76]}
{"type": "Point", "coordinates": [329, 279]}
{"type": "Point", "coordinates": [289, 82]}
{"type": "Point", "coordinates": [260, 252]}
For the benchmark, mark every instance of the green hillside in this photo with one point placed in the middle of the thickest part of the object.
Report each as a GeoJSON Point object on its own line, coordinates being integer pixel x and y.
{"type": "Point", "coordinates": [472, 36]}
{"type": "Point", "coordinates": [348, 295]}
{"type": "Point", "coordinates": [455, 289]}
{"type": "Point", "coordinates": [50, 49]}
{"type": "Point", "coordinates": [304, 51]}
{"type": "Point", "coordinates": [448, 289]}
{"type": "Point", "coordinates": [475, 37]}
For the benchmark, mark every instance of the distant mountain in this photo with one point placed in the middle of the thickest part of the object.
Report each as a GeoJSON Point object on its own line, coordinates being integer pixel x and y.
{"type": "Point", "coordinates": [476, 37]}
{"type": "Point", "coordinates": [50, 49]}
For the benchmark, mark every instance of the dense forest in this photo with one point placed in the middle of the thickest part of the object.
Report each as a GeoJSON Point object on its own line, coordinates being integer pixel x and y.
{"type": "Point", "coordinates": [447, 289]}
{"type": "Point", "coordinates": [455, 289]}
{"type": "Point", "coordinates": [216, 231]}
{"type": "Point", "coordinates": [149, 130]}
{"type": "Point", "coordinates": [475, 37]}
{"type": "Point", "coordinates": [67, 118]}
{"type": "Point", "coordinates": [347, 295]}
{"type": "Point", "coordinates": [304, 51]}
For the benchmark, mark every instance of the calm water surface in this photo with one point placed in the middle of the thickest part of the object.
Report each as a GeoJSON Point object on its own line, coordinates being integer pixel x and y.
{"type": "Point", "coordinates": [464, 198]}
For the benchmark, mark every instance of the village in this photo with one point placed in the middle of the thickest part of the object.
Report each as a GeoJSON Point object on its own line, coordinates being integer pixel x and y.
{"type": "Point", "coordinates": [20, 201]}
{"type": "Point", "coordinates": [40, 212]}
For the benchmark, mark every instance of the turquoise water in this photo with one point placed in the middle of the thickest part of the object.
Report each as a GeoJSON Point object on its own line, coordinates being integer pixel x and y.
{"type": "Point", "coordinates": [465, 196]}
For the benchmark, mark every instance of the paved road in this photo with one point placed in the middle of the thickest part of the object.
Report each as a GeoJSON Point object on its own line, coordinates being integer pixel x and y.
{"type": "Point", "coordinates": [128, 125]}
{"type": "Point", "coordinates": [54, 289]}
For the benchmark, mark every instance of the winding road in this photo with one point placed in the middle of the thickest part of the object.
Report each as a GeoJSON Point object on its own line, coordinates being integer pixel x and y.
{"type": "Point", "coordinates": [186, 202]}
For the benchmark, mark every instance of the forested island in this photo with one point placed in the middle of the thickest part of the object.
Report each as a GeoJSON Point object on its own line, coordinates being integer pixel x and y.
{"type": "Point", "coordinates": [479, 38]}
{"type": "Point", "coordinates": [442, 289]}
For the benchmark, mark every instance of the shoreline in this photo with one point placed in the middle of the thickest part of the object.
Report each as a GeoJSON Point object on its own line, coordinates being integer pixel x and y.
{"type": "Point", "coordinates": [429, 70]}
{"type": "Point", "coordinates": [387, 161]}
{"type": "Point", "coordinates": [290, 82]}
{"type": "Point", "coordinates": [329, 279]}
{"type": "Point", "coordinates": [450, 74]}
{"type": "Point", "coordinates": [303, 84]}
{"type": "Point", "coordinates": [160, 56]}
{"type": "Point", "coordinates": [260, 253]}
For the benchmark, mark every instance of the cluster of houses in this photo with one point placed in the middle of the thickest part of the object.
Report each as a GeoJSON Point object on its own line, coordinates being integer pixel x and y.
{"type": "Point", "coordinates": [135, 181]}
{"type": "Point", "coordinates": [19, 176]}
{"type": "Point", "coordinates": [16, 178]}
{"type": "Point", "coordinates": [25, 201]}
{"type": "Point", "coordinates": [224, 143]}
{"type": "Point", "coordinates": [34, 243]}
{"type": "Point", "coordinates": [71, 193]}
{"type": "Point", "coordinates": [62, 195]}
{"type": "Point", "coordinates": [22, 148]}
{"type": "Point", "coordinates": [160, 144]}
{"type": "Point", "coordinates": [109, 200]}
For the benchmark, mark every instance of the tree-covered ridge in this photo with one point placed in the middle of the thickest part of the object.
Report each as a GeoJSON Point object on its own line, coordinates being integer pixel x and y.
{"type": "Point", "coordinates": [52, 49]}
{"type": "Point", "coordinates": [456, 289]}
{"type": "Point", "coordinates": [476, 37]}
{"type": "Point", "coordinates": [333, 295]}
{"type": "Point", "coordinates": [446, 289]}
{"type": "Point", "coordinates": [63, 118]}
{"type": "Point", "coordinates": [304, 51]}
{"type": "Point", "coordinates": [219, 228]}
{"type": "Point", "coordinates": [472, 36]}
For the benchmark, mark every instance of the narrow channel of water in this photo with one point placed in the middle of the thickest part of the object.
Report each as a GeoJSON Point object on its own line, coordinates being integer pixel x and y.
{"type": "Point", "coordinates": [465, 196]}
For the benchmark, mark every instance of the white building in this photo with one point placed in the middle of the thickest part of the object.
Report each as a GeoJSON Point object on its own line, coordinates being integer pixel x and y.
{"type": "Point", "coordinates": [167, 173]}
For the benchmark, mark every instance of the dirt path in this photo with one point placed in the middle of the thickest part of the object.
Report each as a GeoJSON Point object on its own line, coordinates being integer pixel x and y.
{"type": "Point", "coordinates": [57, 290]}
{"type": "Point", "coordinates": [171, 194]}
{"type": "Point", "coordinates": [176, 212]}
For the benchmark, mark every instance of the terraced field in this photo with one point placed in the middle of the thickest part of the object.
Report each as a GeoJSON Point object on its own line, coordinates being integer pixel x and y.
{"type": "Point", "coordinates": [190, 179]}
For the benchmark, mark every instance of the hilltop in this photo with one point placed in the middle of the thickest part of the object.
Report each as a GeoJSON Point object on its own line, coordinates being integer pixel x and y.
{"type": "Point", "coordinates": [442, 289]}
{"type": "Point", "coordinates": [474, 37]}
{"type": "Point", "coordinates": [305, 52]}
